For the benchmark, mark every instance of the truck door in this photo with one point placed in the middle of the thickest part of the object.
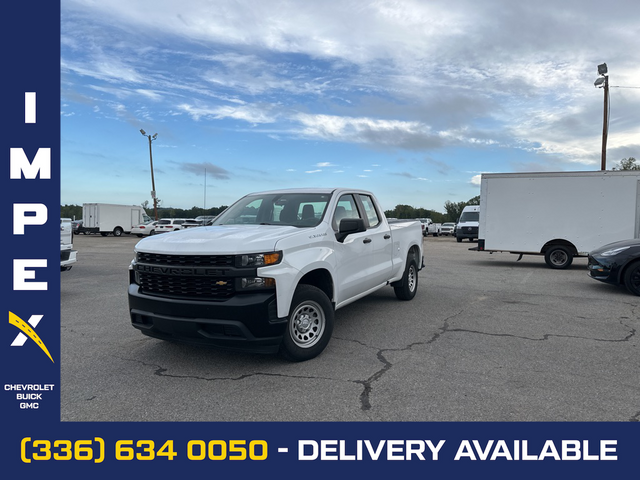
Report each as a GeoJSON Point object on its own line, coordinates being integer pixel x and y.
{"type": "Point", "coordinates": [379, 234]}
{"type": "Point", "coordinates": [353, 254]}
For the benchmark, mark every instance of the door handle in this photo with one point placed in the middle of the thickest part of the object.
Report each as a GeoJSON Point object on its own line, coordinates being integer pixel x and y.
{"type": "Point", "coordinates": [387, 236]}
{"type": "Point", "coordinates": [366, 240]}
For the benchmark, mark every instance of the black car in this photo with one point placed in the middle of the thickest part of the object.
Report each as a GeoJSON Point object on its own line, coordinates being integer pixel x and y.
{"type": "Point", "coordinates": [617, 263]}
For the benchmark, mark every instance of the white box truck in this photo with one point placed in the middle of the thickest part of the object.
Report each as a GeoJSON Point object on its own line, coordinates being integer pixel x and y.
{"type": "Point", "coordinates": [106, 218]}
{"type": "Point", "coordinates": [560, 215]}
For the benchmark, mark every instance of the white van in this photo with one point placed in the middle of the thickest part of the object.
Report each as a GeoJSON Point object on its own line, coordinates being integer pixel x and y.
{"type": "Point", "coordinates": [468, 223]}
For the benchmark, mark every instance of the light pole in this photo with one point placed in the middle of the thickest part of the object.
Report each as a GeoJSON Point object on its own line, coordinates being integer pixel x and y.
{"type": "Point", "coordinates": [153, 183]}
{"type": "Point", "coordinates": [603, 82]}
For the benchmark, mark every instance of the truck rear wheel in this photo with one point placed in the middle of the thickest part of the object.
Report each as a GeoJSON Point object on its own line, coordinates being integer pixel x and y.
{"type": "Point", "coordinates": [117, 232]}
{"type": "Point", "coordinates": [558, 256]}
{"type": "Point", "coordinates": [409, 283]}
{"type": "Point", "coordinates": [310, 324]}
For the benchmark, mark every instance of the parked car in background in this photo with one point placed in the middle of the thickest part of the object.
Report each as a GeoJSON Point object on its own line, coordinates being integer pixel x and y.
{"type": "Point", "coordinates": [617, 263]}
{"type": "Point", "coordinates": [148, 228]}
{"type": "Point", "coordinates": [467, 226]}
{"type": "Point", "coordinates": [423, 224]}
{"type": "Point", "coordinates": [67, 253]}
{"type": "Point", "coordinates": [170, 224]}
{"type": "Point", "coordinates": [447, 228]}
{"type": "Point", "coordinates": [433, 228]}
{"type": "Point", "coordinates": [76, 226]}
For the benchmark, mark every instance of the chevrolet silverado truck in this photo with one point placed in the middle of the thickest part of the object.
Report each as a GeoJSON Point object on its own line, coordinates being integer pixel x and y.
{"type": "Point", "coordinates": [271, 271]}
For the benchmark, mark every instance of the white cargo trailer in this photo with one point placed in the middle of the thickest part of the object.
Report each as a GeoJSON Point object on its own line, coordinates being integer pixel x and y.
{"type": "Point", "coordinates": [106, 218]}
{"type": "Point", "coordinates": [560, 215]}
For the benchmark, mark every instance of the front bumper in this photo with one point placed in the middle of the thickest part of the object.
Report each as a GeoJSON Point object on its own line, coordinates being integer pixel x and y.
{"type": "Point", "coordinates": [467, 232]}
{"type": "Point", "coordinates": [245, 322]}
{"type": "Point", "coordinates": [601, 269]}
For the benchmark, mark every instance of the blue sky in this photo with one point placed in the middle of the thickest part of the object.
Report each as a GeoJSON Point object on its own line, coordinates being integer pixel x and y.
{"type": "Point", "coordinates": [412, 100]}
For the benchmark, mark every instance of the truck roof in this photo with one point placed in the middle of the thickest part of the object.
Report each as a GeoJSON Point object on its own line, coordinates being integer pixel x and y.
{"type": "Point", "coordinates": [327, 190]}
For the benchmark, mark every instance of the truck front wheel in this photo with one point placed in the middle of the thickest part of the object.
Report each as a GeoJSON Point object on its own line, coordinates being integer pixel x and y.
{"type": "Point", "coordinates": [310, 324]}
{"type": "Point", "coordinates": [409, 283]}
{"type": "Point", "coordinates": [558, 256]}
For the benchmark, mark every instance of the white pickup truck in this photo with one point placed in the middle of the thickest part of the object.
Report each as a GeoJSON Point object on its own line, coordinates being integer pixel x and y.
{"type": "Point", "coordinates": [270, 272]}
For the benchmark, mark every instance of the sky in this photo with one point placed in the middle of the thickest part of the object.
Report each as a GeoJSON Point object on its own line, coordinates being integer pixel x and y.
{"type": "Point", "coordinates": [412, 100]}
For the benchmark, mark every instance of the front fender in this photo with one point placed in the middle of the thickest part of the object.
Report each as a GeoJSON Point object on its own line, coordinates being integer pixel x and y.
{"type": "Point", "coordinates": [295, 265]}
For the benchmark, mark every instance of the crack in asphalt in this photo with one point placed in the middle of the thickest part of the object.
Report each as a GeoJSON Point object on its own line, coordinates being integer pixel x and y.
{"type": "Point", "coordinates": [160, 372]}
{"type": "Point", "coordinates": [365, 401]}
{"type": "Point", "coordinates": [367, 384]}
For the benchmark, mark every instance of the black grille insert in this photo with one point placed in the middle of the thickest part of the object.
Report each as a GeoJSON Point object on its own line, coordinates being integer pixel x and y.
{"type": "Point", "coordinates": [187, 260]}
{"type": "Point", "coordinates": [203, 288]}
{"type": "Point", "coordinates": [186, 283]}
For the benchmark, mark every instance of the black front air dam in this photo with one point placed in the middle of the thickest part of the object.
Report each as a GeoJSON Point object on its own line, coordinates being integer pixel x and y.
{"type": "Point", "coordinates": [246, 322]}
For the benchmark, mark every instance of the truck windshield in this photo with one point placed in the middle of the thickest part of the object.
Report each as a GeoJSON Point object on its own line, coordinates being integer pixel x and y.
{"type": "Point", "coordinates": [470, 217]}
{"type": "Point", "coordinates": [294, 209]}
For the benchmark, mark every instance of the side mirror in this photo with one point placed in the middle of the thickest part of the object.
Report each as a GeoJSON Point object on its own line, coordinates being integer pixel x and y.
{"type": "Point", "coordinates": [349, 226]}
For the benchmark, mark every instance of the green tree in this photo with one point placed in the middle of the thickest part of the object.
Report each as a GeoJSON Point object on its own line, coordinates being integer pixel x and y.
{"type": "Point", "coordinates": [628, 164]}
{"type": "Point", "coordinates": [454, 209]}
{"type": "Point", "coordinates": [73, 212]}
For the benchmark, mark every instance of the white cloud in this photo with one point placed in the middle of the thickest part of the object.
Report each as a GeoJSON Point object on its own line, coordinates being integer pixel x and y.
{"type": "Point", "coordinates": [247, 113]}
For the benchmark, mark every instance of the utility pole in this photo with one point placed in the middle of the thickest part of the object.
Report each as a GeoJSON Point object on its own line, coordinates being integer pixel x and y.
{"type": "Point", "coordinates": [605, 124]}
{"type": "Point", "coordinates": [603, 82]}
{"type": "Point", "coordinates": [153, 183]}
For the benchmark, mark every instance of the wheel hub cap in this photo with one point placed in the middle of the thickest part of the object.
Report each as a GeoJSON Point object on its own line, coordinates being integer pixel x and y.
{"type": "Point", "coordinates": [304, 323]}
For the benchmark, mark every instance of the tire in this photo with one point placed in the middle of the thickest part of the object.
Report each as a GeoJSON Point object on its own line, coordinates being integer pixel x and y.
{"type": "Point", "coordinates": [409, 283]}
{"type": "Point", "coordinates": [117, 232]}
{"type": "Point", "coordinates": [310, 324]}
{"type": "Point", "coordinates": [558, 257]}
{"type": "Point", "coordinates": [459, 239]}
{"type": "Point", "coordinates": [104, 234]}
{"type": "Point", "coordinates": [632, 278]}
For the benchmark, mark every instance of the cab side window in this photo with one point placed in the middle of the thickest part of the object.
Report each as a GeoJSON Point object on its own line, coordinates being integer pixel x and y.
{"type": "Point", "coordinates": [370, 210]}
{"type": "Point", "coordinates": [346, 208]}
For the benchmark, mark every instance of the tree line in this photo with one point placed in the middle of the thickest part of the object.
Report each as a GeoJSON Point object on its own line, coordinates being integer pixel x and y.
{"type": "Point", "coordinates": [453, 210]}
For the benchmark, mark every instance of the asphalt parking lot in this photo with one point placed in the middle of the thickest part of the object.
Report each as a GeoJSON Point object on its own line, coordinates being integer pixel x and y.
{"type": "Point", "coordinates": [486, 339]}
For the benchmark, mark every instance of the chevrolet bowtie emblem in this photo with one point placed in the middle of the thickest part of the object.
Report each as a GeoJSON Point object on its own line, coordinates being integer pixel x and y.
{"type": "Point", "coordinates": [221, 283]}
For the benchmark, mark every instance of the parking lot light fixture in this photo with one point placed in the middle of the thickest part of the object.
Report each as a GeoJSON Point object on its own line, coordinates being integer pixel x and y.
{"type": "Point", "coordinates": [153, 183]}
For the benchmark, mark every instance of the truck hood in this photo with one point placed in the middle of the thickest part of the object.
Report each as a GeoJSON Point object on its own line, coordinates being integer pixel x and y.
{"type": "Point", "coordinates": [218, 240]}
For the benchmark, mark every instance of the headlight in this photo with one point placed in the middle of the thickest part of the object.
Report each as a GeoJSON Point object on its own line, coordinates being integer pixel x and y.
{"type": "Point", "coordinates": [614, 251]}
{"type": "Point", "coordinates": [259, 259]}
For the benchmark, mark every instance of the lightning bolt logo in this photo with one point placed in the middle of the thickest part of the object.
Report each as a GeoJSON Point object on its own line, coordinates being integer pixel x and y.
{"type": "Point", "coordinates": [16, 321]}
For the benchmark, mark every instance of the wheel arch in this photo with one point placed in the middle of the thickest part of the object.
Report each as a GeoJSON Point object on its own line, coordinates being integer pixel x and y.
{"type": "Point", "coordinates": [559, 242]}
{"type": "Point", "coordinates": [322, 279]}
